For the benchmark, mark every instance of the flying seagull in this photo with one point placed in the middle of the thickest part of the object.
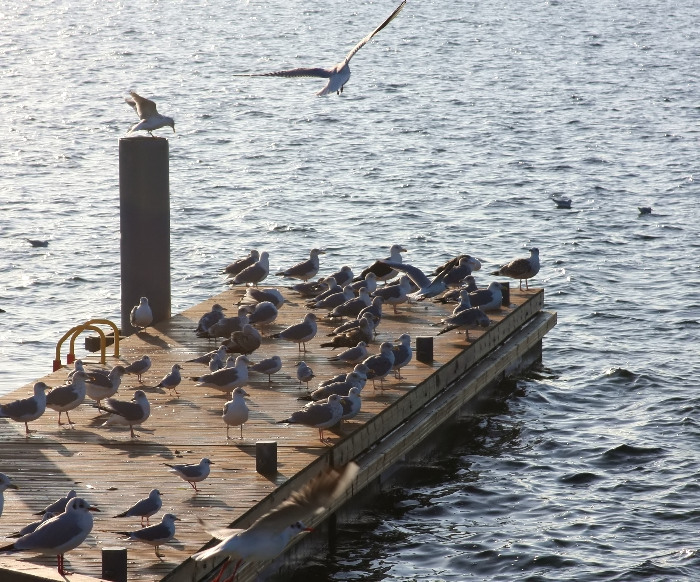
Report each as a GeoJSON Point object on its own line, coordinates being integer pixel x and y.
{"type": "Point", "coordinates": [337, 75]}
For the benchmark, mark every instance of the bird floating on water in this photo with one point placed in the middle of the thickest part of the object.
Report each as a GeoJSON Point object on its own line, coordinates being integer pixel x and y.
{"type": "Point", "coordinates": [337, 75]}
{"type": "Point", "coordinates": [148, 114]}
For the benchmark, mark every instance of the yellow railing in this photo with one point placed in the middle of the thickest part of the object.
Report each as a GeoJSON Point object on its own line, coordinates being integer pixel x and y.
{"type": "Point", "coordinates": [77, 330]}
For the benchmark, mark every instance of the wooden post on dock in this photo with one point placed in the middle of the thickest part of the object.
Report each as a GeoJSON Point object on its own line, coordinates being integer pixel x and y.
{"type": "Point", "coordinates": [144, 211]}
{"type": "Point", "coordinates": [114, 564]}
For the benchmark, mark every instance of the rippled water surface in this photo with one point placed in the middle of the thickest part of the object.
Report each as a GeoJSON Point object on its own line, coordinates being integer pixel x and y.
{"type": "Point", "coordinates": [459, 124]}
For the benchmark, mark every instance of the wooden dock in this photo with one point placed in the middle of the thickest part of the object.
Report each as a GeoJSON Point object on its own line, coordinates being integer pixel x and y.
{"type": "Point", "coordinates": [112, 471]}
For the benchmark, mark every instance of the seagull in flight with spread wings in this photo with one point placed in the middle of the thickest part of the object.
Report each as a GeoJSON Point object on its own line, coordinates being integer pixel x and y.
{"type": "Point", "coordinates": [337, 75]}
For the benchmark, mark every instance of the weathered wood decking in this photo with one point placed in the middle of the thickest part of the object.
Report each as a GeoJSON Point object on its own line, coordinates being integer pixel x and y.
{"type": "Point", "coordinates": [113, 471]}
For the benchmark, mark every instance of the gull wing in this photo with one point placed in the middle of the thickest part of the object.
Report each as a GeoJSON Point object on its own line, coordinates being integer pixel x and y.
{"type": "Point", "coordinates": [145, 108]}
{"type": "Point", "coordinates": [300, 72]}
{"type": "Point", "coordinates": [365, 40]}
{"type": "Point", "coordinates": [414, 273]}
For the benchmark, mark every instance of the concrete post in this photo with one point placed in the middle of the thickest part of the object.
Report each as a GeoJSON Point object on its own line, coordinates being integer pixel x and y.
{"type": "Point", "coordinates": [144, 211]}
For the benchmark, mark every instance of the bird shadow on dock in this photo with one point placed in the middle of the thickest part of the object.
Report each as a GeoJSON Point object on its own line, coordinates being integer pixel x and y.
{"type": "Point", "coordinates": [153, 340]}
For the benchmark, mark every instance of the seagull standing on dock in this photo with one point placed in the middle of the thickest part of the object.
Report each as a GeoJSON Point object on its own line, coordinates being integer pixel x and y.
{"type": "Point", "coordinates": [139, 367]}
{"type": "Point", "coordinates": [145, 508]}
{"type": "Point", "coordinates": [255, 273]}
{"type": "Point", "coordinates": [232, 269]}
{"type": "Point", "coordinates": [470, 318]}
{"type": "Point", "coordinates": [155, 535]}
{"type": "Point", "coordinates": [150, 119]}
{"type": "Point", "coordinates": [304, 373]}
{"type": "Point", "coordinates": [523, 268]}
{"type": "Point", "coordinates": [228, 377]}
{"type": "Point", "coordinates": [68, 396]}
{"type": "Point", "coordinates": [122, 412]}
{"type": "Point", "coordinates": [380, 364]}
{"type": "Point", "coordinates": [235, 412]}
{"type": "Point", "coordinates": [172, 380]}
{"type": "Point", "coordinates": [300, 333]}
{"type": "Point", "coordinates": [101, 384]}
{"type": "Point", "coordinates": [141, 315]}
{"type": "Point", "coordinates": [26, 409]}
{"type": "Point", "coordinates": [352, 355]}
{"type": "Point", "coordinates": [306, 269]}
{"type": "Point", "coordinates": [193, 473]}
{"type": "Point", "coordinates": [395, 294]}
{"type": "Point", "coordinates": [267, 366]}
{"type": "Point", "coordinates": [403, 354]}
{"type": "Point", "coordinates": [60, 534]}
{"type": "Point", "coordinates": [339, 74]}
{"type": "Point", "coordinates": [244, 342]}
{"type": "Point", "coordinates": [210, 318]}
{"type": "Point", "coordinates": [267, 537]}
{"type": "Point", "coordinates": [320, 415]}
{"type": "Point", "coordinates": [58, 506]}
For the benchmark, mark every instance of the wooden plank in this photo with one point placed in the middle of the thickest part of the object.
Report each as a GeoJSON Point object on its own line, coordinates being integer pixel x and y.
{"type": "Point", "coordinates": [112, 471]}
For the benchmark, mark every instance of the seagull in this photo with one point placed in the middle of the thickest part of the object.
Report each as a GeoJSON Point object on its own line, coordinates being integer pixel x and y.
{"type": "Point", "coordinates": [58, 506]}
{"type": "Point", "coordinates": [395, 294]}
{"type": "Point", "coordinates": [227, 377]}
{"type": "Point", "coordinates": [263, 313]}
{"type": "Point", "coordinates": [352, 307]}
{"type": "Point", "coordinates": [255, 295]}
{"type": "Point", "coordinates": [487, 299]}
{"type": "Point", "coordinates": [255, 273]}
{"type": "Point", "coordinates": [369, 282]}
{"type": "Point", "coordinates": [68, 396]}
{"type": "Point", "coordinates": [300, 333]}
{"type": "Point", "coordinates": [36, 243]}
{"type": "Point", "coordinates": [225, 326]}
{"type": "Point", "coordinates": [156, 535]}
{"type": "Point", "coordinates": [351, 404]}
{"type": "Point", "coordinates": [172, 380]}
{"type": "Point", "coordinates": [644, 209]}
{"type": "Point", "coordinates": [148, 114]}
{"type": "Point", "coordinates": [341, 387]}
{"type": "Point", "coordinates": [339, 74]}
{"type": "Point", "coordinates": [267, 366]}
{"type": "Point", "coordinates": [135, 411]}
{"type": "Point", "coordinates": [235, 411]}
{"type": "Point", "coordinates": [380, 364]}
{"type": "Point", "coordinates": [26, 409]}
{"type": "Point", "coordinates": [320, 415]}
{"type": "Point", "coordinates": [473, 263]}
{"type": "Point", "coordinates": [352, 355]}
{"type": "Point", "coordinates": [32, 526]}
{"type": "Point", "coordinates": [232, 269]}
{"type": "Point", "coordinates": [343, 276]}
{"type": "Point", "coordinates": [306, 269]}
{"type": "Point", "coordinates": [145, 508]}
{"type": "Point", "coordinates": [101, 384]}
{"type": "Point", "coordinates": [562, 202]}
{"type": "Point", "coordinates": [311, 288]}
{"type": "Point", "coordinates": [334, 299]}
{"type": "Point", "coordinates": [351, 324]}
{"type": "Point", "coordinates": [364, 332]}
{"type": "Point", "coordinates": [60, 534]}
{"type": "Point", "coordinates": [426, 287]}
{"type": "Point", "coordinates": [245, 341]}
{"type": "Point", "coordinates": [139, 367]}
{"type": "Point", "coordinates": [193, 473]}
{"type": "Point", "coordinates": [523, 268]}
{"type": "Point", "coordinates": [267, 537]}
{"type": "Point", "coordinates": [380, 269]}
{"type": "Point", "coordinates": [141, 315]}
{"type": "Point", "coordinates": [210, 318]}
{"type": "Point", "coordinates": [304, 373]}
{"type": "Point", "coordinates": [360, 369]}
{"type": "Point", "coordinates": [402, 354]}
{"type": "Point", "coordinates": [5, 483]}
{"type": "Point", "coordinates": [467, 318]}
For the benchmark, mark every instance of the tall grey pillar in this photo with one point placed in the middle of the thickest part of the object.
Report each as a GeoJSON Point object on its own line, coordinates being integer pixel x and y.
{"type": "Point", "coordinates": [144, 212]}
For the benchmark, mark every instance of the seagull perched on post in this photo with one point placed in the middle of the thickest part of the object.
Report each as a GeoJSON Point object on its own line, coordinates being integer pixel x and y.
{"type": "Point", "coordinates": [148, 114]}
{"type": "Point", "coordinates": [337, 75]}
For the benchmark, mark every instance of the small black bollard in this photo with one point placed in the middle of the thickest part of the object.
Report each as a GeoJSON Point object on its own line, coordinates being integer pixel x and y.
{"type": "Point", "coordinates": [266, 457]}
{"type": "Point", "coordinates": [424, 349]}
{"type": "Point", "coordinates": [114, 564]}
{"type": "Point", "coordinates": [144, 211]}
{"type": "Point", "coordinates": [505, 294]}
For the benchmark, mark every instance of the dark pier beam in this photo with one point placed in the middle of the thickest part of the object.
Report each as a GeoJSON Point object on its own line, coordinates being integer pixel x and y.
{"type": "Point", "coordinates": [144, 212]}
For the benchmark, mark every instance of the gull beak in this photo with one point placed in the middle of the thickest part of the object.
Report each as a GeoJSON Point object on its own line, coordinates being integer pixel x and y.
{"type": "Point", "coordinates": [93, 508]}
{"type": "Point", "coordinates": [308, 529]}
